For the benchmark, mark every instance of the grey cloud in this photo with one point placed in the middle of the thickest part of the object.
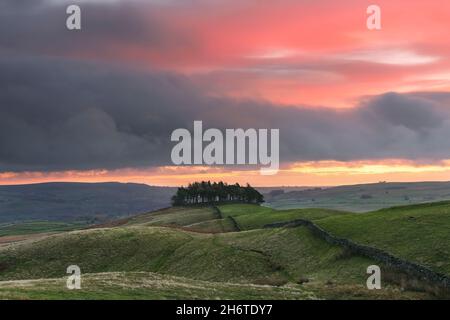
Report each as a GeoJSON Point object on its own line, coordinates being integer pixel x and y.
{"type": "Point", "coordinates": [57, 114]}
{"type": "Point", "coordinates": [414, 113]}
{"type": "Point", "coordinates": [39, 27]}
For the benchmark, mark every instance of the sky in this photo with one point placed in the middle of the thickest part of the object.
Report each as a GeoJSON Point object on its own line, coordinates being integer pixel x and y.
{"type": "Point", "coordinates": [99, 104]}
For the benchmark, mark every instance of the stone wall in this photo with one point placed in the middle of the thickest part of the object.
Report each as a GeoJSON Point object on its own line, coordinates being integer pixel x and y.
{"type": "Point", "coordinates": [220, 215]}
{"type": "Point", "coordinates": [410, 268]}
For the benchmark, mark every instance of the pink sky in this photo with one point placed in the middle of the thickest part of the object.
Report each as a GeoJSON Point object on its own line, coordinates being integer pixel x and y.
{"type": "Point", "coordinates": [289, 52]}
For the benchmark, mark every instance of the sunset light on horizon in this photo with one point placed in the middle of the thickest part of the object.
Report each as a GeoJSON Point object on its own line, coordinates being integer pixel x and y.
{"type": "Point", "coordinates": [310, 174]}
{"type": "Point", "coordinates": [353, 105]}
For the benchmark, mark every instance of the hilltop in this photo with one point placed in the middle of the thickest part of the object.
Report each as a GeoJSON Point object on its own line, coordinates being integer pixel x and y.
{"type": "Point", "coordinates": [79, 202]}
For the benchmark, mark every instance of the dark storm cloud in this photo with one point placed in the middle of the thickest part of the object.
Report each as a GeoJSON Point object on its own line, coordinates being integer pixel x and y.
{"type": "Point", "coordinates": [39, 27]}
{"type": "Point", "coordinates": [57, 114]}
{"type": "Point", "coordinates": [410, 112]}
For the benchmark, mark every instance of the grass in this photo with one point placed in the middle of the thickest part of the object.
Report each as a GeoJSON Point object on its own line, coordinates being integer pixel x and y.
{"type": "Point", "coordinates": [144, 285]}
{"type": "Point", "coordinates": [250, 216]}
{"type": "Point", "coordinates": [270, 257]}
{"type": "Point", "coordinates": [265, 257]}
{"type": "Point", "coordinates": [236, 210]}
{"type": "Point", "coordinates": [200, 249]}
{"type": "Point", "coordinates": [213, 226]}
{"type": "Point", "coordinates": [33, 227]}
{"type": "Point", "coordinates": [176, 216]}
{"type": "Point", "coordinates": [279, 255]}
{"type": "Point", "coordinates": [147, 285]}
{"type": "Point", "coordinates": [418, 233]}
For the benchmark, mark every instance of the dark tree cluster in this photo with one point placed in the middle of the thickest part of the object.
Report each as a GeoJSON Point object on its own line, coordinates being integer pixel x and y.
{"type": "Point", "coordinates": [206, 192]}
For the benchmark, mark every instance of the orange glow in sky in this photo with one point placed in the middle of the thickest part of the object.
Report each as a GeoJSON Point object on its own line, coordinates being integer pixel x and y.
{"type": "Point", "coordinates": [315, 173]}
{"type": "Point", "coordinates": [316, 53]}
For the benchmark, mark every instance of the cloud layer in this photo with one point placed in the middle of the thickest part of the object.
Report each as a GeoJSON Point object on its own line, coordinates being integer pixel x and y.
{"type": "Point", "coordinates": [285, 51]}
{"type": "Point", "coordinates": [60, 115]}
{"type": "Point", "coordinates": [109, 96]}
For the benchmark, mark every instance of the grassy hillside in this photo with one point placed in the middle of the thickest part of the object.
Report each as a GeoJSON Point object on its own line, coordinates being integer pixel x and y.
{"type": "Point", "coordinates": [179, 246]}
{"type": "Point", "coordinates": [145, 285]}
{"type": "Point", "coordinates": [362, 197]}
{"type": "Point", "coordinates": [417, 233]}
{"type": "Point", "coordinates": [260, 256]}
{"type": "Point", "coordinates": [200, 219]}
{"type": "Point", "coordinates": [176, 216]}
{"type": "Point", "coordinates": [33, 227]}
{"type": "Point", "coordinates": [276, 257]}
{"type": "Point", "coordinates": [250, 216]}
{"type": "Point", "coordinates": [213, 226]}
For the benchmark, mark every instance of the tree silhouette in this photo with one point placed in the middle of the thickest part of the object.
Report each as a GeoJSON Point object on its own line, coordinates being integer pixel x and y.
{"type": "Point", "coordinates": [205, 192]}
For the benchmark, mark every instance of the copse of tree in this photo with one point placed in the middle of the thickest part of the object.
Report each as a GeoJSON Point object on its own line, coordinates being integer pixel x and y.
{"type": "Point", "coordinates": [206, 192]}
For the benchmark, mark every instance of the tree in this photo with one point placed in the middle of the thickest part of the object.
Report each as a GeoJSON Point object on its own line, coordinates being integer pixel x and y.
{"type": "Point", "coordinates": [205, 192]}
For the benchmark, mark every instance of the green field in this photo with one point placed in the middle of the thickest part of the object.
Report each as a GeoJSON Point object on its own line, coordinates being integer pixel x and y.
{"type": "Point", "coordinates": [33, 227]}
{"type": "Point", "coordinates": [191, 247]}
{"type": "Point", "coordinates": [418, 233]}
{"type": "Point", "coordinates": [177, 216]}
{"type": "Point", "coordinates": [253, 217]}
{"type": "Point", "coordinates": [213, 226]}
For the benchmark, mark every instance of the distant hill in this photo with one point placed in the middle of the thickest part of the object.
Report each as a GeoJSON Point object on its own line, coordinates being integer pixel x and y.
{"type": "Point", "coordinates": [90, 202]}
{"type": "Point", "coordinates": [359, 198]}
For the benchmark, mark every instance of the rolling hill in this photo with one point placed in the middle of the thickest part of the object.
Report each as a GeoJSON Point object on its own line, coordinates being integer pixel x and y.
{"type": "Point", "coordinates": [359, 198]}
{"type": "Point", "coordinates": [79, 202]}
{"type": "Point", "coordinates": [419, 233]}
{"type": "Point", "coordinates": [185, 248]}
